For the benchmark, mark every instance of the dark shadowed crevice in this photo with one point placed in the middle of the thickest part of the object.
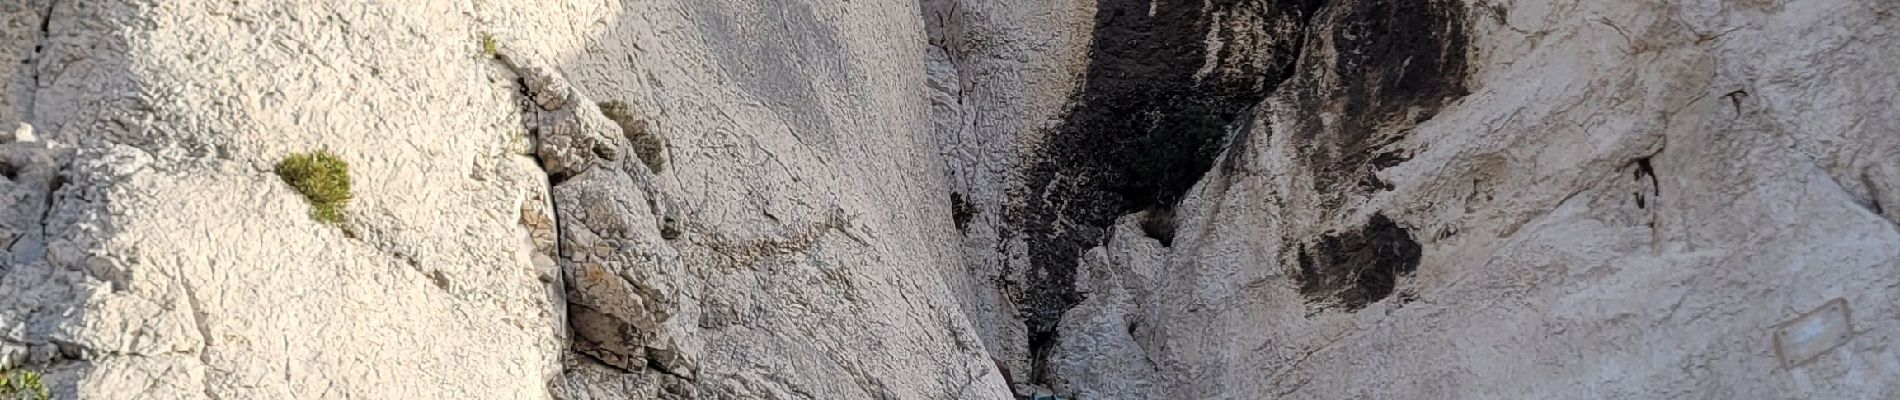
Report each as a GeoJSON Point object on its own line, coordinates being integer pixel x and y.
{"type": "Point", "coordinates": [1645, 169]}
{"type": "Point", "coordinates": [961, 211]}
{"type": "Point", "coordinates": [1165, 81]}
{"type": "Point", "coordinates": [1158, 223]}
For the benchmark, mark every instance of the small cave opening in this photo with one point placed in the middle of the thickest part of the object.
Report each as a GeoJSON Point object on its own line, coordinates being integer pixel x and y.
{"type": "Point", "coordinates": [1158, 224]}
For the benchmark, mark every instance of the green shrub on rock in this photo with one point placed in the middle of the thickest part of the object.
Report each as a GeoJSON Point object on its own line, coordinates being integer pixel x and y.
{"type": "Point", "coordinates": [323, 178]}
{"type": "Point", "coordinates": [23, 385]}
{"type": "Point", "coordinates": [490, 47]}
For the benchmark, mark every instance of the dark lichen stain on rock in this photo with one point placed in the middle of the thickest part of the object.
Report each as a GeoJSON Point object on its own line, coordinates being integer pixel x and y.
{"type": "Point", "coordinates": [1356, 268]}
{"type": "Point", "coordinates": [1381, 67]}
{"type": "Point", "coordinates": [1151, 118]}
{"type": "Point", "coordinates": [1147, 124]}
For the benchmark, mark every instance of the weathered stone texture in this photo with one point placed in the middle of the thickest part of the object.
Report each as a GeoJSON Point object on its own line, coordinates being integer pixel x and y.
{"type": "Point", "coordinates": [954, 199]}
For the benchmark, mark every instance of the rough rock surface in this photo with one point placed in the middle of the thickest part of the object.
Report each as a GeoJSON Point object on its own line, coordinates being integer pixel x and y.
{"type": "Point", "coordinates": [162, 259]}
{"type": "Point", "coordinates": [1001, 75]}
{"type": "Point", "coordinates": [22, 27]}
{"type": "Point", "coordinates": [1526, 199]}
{"type": "Point", "coordinates": [954, 199]}
{"type": "Point", "coordinates": [151, 253]}
{"type": "Point", "coordinates": [792, 247]}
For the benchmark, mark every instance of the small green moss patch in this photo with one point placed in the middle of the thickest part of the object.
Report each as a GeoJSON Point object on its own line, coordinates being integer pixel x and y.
{"type": "Point", "coordinates": [323, 178]}
{"type": "Point", "coordinates": [490, 47]}
{"type": "Point", "coordinates": [648, 144]}
{"type": "Point", "coordinates": [23, 385]}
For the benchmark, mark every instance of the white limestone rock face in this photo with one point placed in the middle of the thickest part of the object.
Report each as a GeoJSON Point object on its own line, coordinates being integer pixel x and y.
{"type": "Point", "coordinates": [1589, 200]}
{"type": "Point", "coordinates": [796, 245]}
{"type": "Point", "coordinates": [161, 257]}
{"type": "Point", "coordinates": [792, 249]}
{"type": "Point", "coordinates": [1098, 355]}
{"type": "Point", "coordinates": [796, 242]}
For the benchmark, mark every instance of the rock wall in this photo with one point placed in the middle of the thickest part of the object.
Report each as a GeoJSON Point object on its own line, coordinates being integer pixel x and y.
{"type": "Point", "coordinates": [161, 258]}
{"type": "Point", "coordinates": [953, 199]}
{"type": "Point", "coordinates": [1527, 199]}
{"type": "Point", "coordinates": [514, 232]}
{"type": "Point", "coordinates": [1001, 76]}
{"type": "Point", "coordinates": [797, 243]}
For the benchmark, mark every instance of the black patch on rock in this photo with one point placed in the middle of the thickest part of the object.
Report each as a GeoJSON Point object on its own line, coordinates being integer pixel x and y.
{"type": "Point", "coordinates": [1382, 66]}
{"type": "Point", "coordinates": [670, 228]}
{"type": "Point", "coordinates": [1357, 268]}
{"type": "Point", "coordinates": [1158, 104]}
{"type": "Point", "coordinates": [1645, 169]}
{"type": "Point", "coordinates": [1378, 68]}
{"type": "Point", "coordinates": [961, 211]}
{"type": "Point", "coordinates": [1146, 125]}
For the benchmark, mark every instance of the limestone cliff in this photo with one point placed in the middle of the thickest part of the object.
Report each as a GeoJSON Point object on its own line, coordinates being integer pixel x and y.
{"type": "Point", "coordinates": [507, 238]}
{"type": "Point", "coordinates": [1431, 199]}
{"type": "Point", "coordinates": [953, 199]}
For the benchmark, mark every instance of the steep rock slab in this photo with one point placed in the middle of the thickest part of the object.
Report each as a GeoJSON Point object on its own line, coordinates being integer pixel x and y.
{"type": "Point", "coordinates": [796, 243]}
